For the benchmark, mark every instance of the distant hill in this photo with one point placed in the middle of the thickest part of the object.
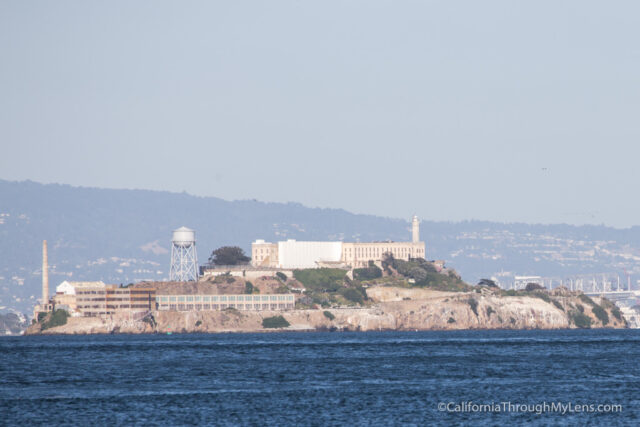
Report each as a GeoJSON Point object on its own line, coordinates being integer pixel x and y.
{"type": "Point", "coordinates": [122, 236]}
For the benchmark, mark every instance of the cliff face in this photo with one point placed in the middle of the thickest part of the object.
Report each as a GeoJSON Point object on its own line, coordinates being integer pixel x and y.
{"type": "Point", "coordinates": [394, 309]}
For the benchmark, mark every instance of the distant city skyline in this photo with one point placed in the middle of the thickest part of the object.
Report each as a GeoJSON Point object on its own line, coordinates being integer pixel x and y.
{"type": "Point", "coordinates": [499, 111]}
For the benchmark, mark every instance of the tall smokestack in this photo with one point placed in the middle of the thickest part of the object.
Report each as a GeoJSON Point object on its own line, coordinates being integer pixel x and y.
{"type": "Point", "coordinates": [45, 273]}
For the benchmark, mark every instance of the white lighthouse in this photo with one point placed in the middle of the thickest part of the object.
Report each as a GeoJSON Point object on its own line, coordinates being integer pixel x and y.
{"type": "Point", "coordinates": [415, 229]}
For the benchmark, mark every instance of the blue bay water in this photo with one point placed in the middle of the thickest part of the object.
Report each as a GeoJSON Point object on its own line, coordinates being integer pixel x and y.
{"type": "Point", "coordinates": [318, 378]}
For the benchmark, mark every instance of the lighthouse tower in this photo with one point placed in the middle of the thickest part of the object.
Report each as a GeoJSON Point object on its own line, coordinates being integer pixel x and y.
{"type": "Point", "coordinates": [45, 274]}
{"type": "Point", "coordinates": [415, 230]}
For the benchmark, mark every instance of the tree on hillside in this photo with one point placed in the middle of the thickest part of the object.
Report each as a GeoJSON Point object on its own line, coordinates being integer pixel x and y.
{"type": "Point", "coordinates": [534, 287]}
{"type": "Point", "coordinates": [487, 282]}
{"type": "Point", "coordinates": [228, 255]}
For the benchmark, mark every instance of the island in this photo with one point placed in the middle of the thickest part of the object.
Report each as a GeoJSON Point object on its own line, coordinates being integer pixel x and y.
{"type": "Point", "coordinates": [395, 294]}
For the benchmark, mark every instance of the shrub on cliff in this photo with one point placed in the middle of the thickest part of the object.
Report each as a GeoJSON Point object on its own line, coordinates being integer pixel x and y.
{"type": "Point", "coordinates": [615, 310]}
{"type": "Point", "coordinates": [488, 282]}
{"type": "Point", "coordinates": [57, 318]}
{"type": "Point", "coordinates": [321, 279]}
{"type": "Point", "coordinates": [557, 304]}
{"type": "Point", "coordinates": [369, 273]}
{"type": "Point", "coordinates": [353, 295]}
{"type": "Point", "coordinates": [601, 314]}
{"type": "Point", "coordinates": [587, 300]}
{"type": "Point", "coordinates": [328, 315]}
{"type": "Point", "coordinates": [280, 275]}
{"type": "Point", "coordinates": [473, 304]}
{"type": "Point", "coordinates": [282, 289]}
{"type": "Point", "coordinates": [248, 288]}
{"type": "Point", "coordinates": [274, 322]}
{"type": "Point", "coordinates": [533, 287]}
{"type": "Point", "coordinates": [580, 319]}
{"type": "Point", "coordinates": [542, 295]}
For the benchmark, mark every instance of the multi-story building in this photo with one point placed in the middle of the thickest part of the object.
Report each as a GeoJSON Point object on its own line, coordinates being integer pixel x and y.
{"type": "Point", "coordinates": [99, 299]}
{"type": "Point", "coordinates": [295, 254]}
{"type": "Point", "coordinates": [130, 299]}
{"type": "Point", "coordinates": [201, 302]}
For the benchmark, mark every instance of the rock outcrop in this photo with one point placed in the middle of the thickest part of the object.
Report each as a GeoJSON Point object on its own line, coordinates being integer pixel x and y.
{"type": "Point", "coordinates": [392, 309]}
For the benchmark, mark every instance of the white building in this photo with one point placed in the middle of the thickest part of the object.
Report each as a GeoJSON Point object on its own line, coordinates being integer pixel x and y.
{"type": "Point", "coordinates": [69, 288]}
{"type": "Point", "coordinates": [295, 254]}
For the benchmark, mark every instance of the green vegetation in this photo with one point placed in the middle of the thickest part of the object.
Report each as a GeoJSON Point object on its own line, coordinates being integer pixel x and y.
{"type": "Point", "coordinates": [473, 304]}
{"type": "Point", "coordinates": [489, 311]}
{"type": "Point", "coordinates": [57, 318]}
{"type": "Point", "coordinates": [328, 315]}
{"type": "Point", "coordinates": [426, 276]}
{"type": "Point", "coordinates": [580, 319]}
{"type": "Point", "coordinates": [451, 320]}
{"type": "Point", "coordinates": [248, 288]}
{"type": "Point", "coordinates": [601, 314]}
{"type": "Point", "coordinates": [280, 275]}
{"type": "Point", "coordinates": [356, 295]}
{"type": "Point", "coordinates": [41, 316]}
{"type": "Point", "coordinates": [369, 273]}
{"type": "Point", "coordinates": [228, 255]}
{"type": "Point", "coordinates": [282, 289]}
{"type": "Point", "coordinates": [615, 310]}
{"type": "Point", "coordinates": [275, 322]}
{"type": "Point", "coordinates": [330, 286]}
{"type": "Point", "coordinates": [232, 310]}
{"type": "Point", "coordinates": [321, 279]}
{"type": "Point", "coordinates": [487, 282]}
{"type": "Point", "coordinates": [533, 287]}
{"type": "Point", "coordinates": [150, 320]}
{"type": "Point", "coordinates": [616, 313]}
{"type": "Point", "coordinates": [557, 304]}
{"type": "Point", "coordinates": [542, 295]}
{"type": "Point", "coordinates": [585, 299]}
{"type": "Point", "coordinates": [224, 278]}
{"type": "Point", "coordinates": [198, 323]}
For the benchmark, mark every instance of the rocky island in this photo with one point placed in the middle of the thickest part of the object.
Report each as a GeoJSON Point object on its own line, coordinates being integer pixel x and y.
{"type": "Point", "coordinates": [397, 295]}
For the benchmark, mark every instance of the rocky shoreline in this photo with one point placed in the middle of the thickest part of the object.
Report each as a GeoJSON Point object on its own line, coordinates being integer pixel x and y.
{"type": "Point", "coordinates": [398, 309]}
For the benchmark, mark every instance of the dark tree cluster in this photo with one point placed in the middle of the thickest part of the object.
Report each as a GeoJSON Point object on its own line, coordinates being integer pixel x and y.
{"type": "Point", "coordinates": [228, 255]}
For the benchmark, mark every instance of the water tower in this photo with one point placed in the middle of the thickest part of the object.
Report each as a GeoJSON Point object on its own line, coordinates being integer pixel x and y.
{"type": "Point", "coordinates": [184, 259]}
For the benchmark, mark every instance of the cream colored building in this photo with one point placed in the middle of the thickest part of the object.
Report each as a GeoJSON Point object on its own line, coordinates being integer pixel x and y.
{"type": "Point", "coordinates": [66, 293]}
{"type": "Point", "coordinates": [295, 254]}
{"type": "Point", "coordinates": [97, 299]}
{"type": "Point", "coordinates": [221, 302]}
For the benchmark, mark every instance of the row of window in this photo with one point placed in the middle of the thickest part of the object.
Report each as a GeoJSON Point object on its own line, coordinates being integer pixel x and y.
{"type": "Point", "coordinates": [222, 298]}
{"type": "Point", "coordinates": [127, 299]}
{"type": "Point", "coordinates": [128, 306]}
{"type": "Point", "coordinates": [90, 299]}
{"type": "Point", "coordinates": [191, 307]}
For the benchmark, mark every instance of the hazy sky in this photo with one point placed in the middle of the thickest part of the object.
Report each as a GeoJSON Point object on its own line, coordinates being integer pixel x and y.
{"type": "Point", "coordinates": [498, 110]}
